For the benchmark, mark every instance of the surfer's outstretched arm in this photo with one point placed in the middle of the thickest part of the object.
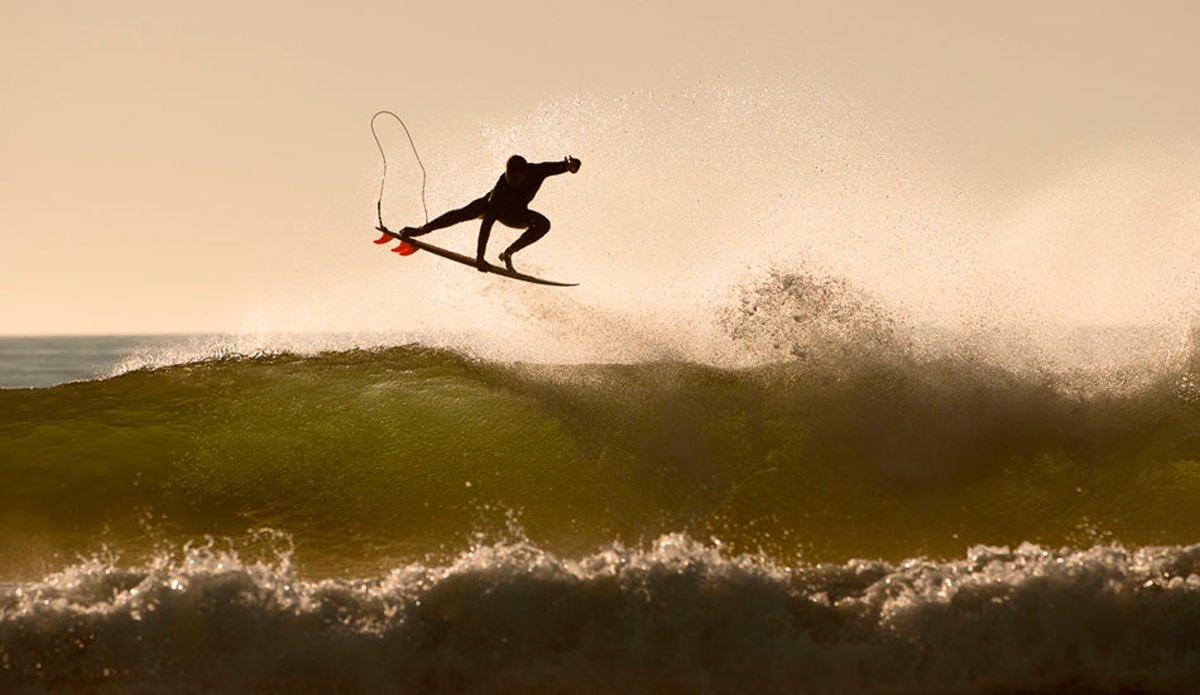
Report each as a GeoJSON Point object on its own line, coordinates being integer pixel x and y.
{"type": "Point", "coordinates": [544, 169]}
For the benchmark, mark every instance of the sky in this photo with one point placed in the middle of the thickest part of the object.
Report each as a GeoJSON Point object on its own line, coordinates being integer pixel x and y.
{"type": "Point", "coordinates": [197, 167]}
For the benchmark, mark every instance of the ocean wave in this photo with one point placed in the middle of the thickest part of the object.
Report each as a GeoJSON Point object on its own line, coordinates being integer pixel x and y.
{"type": "Point", "coordinates": [673, 616]}
{"type": "Point", "coordinates": [396, 453]}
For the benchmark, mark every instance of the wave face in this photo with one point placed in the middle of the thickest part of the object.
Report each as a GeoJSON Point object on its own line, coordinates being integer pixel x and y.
{"type": "Point", "coordinates": [368, 457]}
{"type": "Point", "coordinates": [416, 520]}
{"type": "Point", "coordinates": [676, 617]}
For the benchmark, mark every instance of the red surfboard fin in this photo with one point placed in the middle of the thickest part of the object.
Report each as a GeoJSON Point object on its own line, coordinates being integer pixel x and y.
{"type": "Point", "coordinates": [405, 249]}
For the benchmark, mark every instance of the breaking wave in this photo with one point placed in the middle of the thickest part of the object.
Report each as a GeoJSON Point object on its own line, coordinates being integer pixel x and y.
{"type": "Point", "coordinates": [675, 616]}
{"type": "Point", "coordinates": [373, 456]}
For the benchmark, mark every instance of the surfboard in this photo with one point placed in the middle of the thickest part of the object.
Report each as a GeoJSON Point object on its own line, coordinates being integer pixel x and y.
{"type": "Point", "coordinates": [466, 260]}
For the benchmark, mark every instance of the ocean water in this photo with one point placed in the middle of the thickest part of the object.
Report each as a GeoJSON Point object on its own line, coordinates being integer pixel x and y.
{"type": "Point", "coordinates": [855, 514]}
{"type": "Point", "coordinates": [41, 361]}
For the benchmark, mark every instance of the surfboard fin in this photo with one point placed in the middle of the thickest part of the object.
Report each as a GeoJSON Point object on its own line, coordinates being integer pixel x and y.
{"type": "Point", "coordinates": [384, 239]}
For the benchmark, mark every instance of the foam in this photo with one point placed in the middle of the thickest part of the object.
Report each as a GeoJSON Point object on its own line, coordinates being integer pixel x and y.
{"type": "Point", "coordinates": [675, 614]}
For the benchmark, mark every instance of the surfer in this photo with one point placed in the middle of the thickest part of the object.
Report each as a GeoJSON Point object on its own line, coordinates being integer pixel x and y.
{"type": "Point", "coordinates": [508, 204]}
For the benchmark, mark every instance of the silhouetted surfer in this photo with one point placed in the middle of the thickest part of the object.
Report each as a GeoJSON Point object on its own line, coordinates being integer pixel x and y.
{"type": "Point", "coordinates": [508, 204]}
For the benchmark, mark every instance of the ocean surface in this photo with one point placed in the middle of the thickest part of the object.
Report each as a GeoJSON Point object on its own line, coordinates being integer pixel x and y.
{"type": "Point", "coordinates": [194, 514]}
{"type": "Point", "coordinates": [40, 361]}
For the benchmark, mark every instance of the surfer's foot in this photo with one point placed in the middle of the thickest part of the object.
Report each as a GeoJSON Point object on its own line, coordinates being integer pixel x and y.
{"type": "Point", "coordinates": [482, 265]}
{"type": "Point", "coordinates": [411, 231]}
{"type": "Point", "coordinates": [507, 258]}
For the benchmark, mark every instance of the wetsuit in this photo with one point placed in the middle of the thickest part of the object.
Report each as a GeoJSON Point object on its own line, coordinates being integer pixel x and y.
{"type": "Point", "coordinates": [507, 204]}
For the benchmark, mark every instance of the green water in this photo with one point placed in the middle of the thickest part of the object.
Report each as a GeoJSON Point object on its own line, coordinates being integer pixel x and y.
{"type": "Point", "coordinates": [371, 457]}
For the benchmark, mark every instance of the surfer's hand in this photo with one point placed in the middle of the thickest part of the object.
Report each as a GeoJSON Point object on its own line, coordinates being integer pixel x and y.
{"type": "Point", "coordinates": [573, 164]}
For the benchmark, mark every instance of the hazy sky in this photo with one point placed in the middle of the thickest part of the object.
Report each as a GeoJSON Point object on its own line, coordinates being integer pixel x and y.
{"type": "Point", "coordinates": [169, 166]}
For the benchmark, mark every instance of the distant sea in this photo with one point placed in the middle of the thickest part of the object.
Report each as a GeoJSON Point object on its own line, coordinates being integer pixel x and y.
{"type": "Point", "coordinates": [41, 361]}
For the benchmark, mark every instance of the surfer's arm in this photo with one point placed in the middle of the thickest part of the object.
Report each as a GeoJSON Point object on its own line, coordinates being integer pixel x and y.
{"type": "Point", "coordinates": [545, 169]}
{"type": "Point", "coordinates": [485, 231]}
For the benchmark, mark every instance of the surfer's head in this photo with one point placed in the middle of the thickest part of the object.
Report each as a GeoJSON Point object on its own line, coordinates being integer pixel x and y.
{"type": "Point", "coordinates": [515, 170]}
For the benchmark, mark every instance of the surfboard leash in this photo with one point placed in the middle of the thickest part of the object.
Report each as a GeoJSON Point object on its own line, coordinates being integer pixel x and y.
{"type": "Point", "coordinates": [383, 179]}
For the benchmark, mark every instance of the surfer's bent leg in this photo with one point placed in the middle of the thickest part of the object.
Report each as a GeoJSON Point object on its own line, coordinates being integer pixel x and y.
{"type": "Point", "coordinates": [538, 226]}
{"type": "Point", "coordinates": [471, 211]}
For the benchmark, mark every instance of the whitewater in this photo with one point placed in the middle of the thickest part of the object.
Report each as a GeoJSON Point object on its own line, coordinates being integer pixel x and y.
{"type": "Point", "coordinates": [678, 616]}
